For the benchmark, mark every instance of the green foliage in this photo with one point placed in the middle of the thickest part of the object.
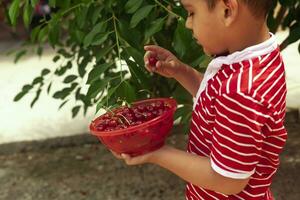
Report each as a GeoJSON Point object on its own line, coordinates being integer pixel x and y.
{"type": "Point", "coordinates": [103, 33]}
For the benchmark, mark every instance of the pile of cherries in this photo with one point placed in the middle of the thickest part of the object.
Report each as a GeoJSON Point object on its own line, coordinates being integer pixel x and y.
{"type": "Point", "coordinates": [125, 116]}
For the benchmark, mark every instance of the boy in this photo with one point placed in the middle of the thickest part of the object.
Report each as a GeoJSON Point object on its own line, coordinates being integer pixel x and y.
{"type": "Point", "coordinates": [237, 129]}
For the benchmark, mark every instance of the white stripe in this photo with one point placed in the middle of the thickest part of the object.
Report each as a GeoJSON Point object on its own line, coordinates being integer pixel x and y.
{"type": "Point", "coordinates": [240, 114]}
{"type": "Point", "coordinates": [265, 58]}
{"type": "Point", "coordinates": [192, 143]}
{"type": "Point", "coordinates": [216, 92]}
{"type": "Point", "coordinates": [237, 123]}
{"type": "Point", "coordinates": [233, 159]}
{"type": "Point", "coordinates": [227, 173]}
{"type": "Point", "coordinates": [266, 166]}
{"type": "Point", "coordinates": [204, 192]}
{"type": "Point", "coordinates": [236, 142]}
{"type": "Point", "coordinates": [232, 150]}
{"type": "Point", "coordinates": [228, 82]}
{"type": "Point", "coordinates": [273, 145]}
{"type": "Point", "coordinates": [265, 68]}
{"type": "Point", "coordinates": [201, 116]}
{"type": "Point", "coordinates": [280, 100]}
{"type": "Point", "coordinates": [267, 79]}
{"type": "Point", "coordinates": [240, 78]}
{"type": "Point", "coordinates": [273, 129]}
{"type": "Point", "coordinates": [273, 162]}
{"type": "Point", "coordinates": [253, 195]}
{"type": "Point", "coordinates": [231, 67]}
{"type": "Point", "coordinates": [200, 141]}
{"type": "Point", "coordinates": [193, 193]}
{"type": "Point", "coordinates": [226, 76]}
{"type": "Point", "coordinates": [272, 86]}
{"type": "Point", "coordinates": [271, 99]}
{"type": "Point", "coordinates": [198, 125]}
{"type": "Point", "coordinates": [265, 178]}
{"type": "Point", "coordinates": [229, 168]}
{"type": "Point", "coordinates": [274, 154]}
{"type": "Point", "coordinates": [250, 76]}
{"type": "Point", "coordinates": [245, 107]}
{"type": "Point", "coordinates": [236, 133]}
{"type": "Point", "coordinates": [207, 94]}
{"type": "Point", "coordinates": [220, 84]}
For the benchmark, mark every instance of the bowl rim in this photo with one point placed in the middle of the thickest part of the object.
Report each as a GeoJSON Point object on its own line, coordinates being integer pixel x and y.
{"type": "Point", "coordinates": [171, 101]}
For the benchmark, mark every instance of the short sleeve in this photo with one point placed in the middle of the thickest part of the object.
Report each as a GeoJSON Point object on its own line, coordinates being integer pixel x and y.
{"type": "Point", "coordinates": [236, 136]}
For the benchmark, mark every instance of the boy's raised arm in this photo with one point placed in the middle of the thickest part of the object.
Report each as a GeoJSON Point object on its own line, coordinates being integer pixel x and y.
{"type": "Point", "coordinates": [169, 66]}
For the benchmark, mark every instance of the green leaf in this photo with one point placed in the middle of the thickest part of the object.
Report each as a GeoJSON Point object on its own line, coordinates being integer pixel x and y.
{"type": "Point", "coordinates": [62, 94]}
{"type": "Point", "coordinates": [127, 33]}
{"type": "Point", "coordinates": [56, 58]}
{"type": "Point", "coordinates": [81, 16]}
{"type": "Point", "coordinates": [82, 66]}
{"type": "Point", "coordinates": [20, 95]}
{"type": "Point", "coordinates": [136, 54]}
{"type": "Point", "coordinates": [42, 36]}
{"type": "Point", "coordinates": [182, 38]}
{"type": "Point", "coordinates": [14, 11]}
{"type": "Point", "coordinates": [34, 2]}
{"type": "Point", "coordinates": [100, 38]}
{"type": "Point", "coordinates": [62, 104]}
{"type": "Point", "coordinates": [132, 5]}
{"type": "Point", "coordinates": [26, 88]}
{"type": "Point", "coordinates": [27, 14]}
{"type": "Point", "coordinates": [97, 86]}
{"type": "Point", "coordinates": [54, 35]}
{"type": "Point", "coordinates": [97, 71]}
{"type": "Point", "coordinates": [140, 15]}
{"type": "Point", "coordinates": [19, 55]}
{"type": "Point", "coordinates": [127, 91]}
{"type": "Point", "coordinates": [37, 80]}
{"type": "Point", "coordinates": [96, 14]}
{"type": "Point", "coordinates": [52, 3]}
{"type": "Point", "coordinates": [138, 74]}
{"type": "Point", "coordinates": [155, 27]}
{"type": "Point", "coordinates": [39, 51]}
{"type": "Point", "coordinates": [100, 27]}
{"type": "Point", "coordinates": [45, 72]}
{"type": "Point", "coordinates": [102, 52]}
{"type": "Point", "coordinates": [70, 78]}
{"type": "Point", "coordinates": [34, 34]}
{"type": "Point", "coordinates": [75, 111]}
{"type": "Point", "coordinates": [36, 97]}
{"type": "Point", "coordinates": [49, 88]}
{"type": "Point", "coordinates": [64, 53]}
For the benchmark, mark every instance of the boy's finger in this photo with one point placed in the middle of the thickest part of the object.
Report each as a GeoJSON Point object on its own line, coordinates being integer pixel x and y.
{"type": "Point", "coordinates": [163, 53]}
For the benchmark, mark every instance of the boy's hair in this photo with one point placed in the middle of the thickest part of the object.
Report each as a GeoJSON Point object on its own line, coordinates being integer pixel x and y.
{"type": "Point", "coordinates": [259, 8]}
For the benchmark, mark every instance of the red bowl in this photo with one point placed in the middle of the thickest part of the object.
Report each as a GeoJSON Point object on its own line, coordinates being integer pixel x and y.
{"type": "Point", "coordinates": [139, 139]}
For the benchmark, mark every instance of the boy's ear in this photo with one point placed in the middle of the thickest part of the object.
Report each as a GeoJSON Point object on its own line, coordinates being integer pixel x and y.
{"type": "Point", "coordinates": [230, 11]}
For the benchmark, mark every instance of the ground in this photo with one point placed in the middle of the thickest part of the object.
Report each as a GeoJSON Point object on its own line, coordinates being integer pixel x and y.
{"type": "Point", "coordinates": [81, 168]}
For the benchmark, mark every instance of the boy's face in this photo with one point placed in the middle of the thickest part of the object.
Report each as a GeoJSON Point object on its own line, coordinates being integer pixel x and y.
{"type": "Point", "coordinates": [206, 25]}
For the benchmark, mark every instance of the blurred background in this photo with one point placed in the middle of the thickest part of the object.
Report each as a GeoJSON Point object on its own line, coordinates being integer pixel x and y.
{"type": "Point", "coordinates": [45, 148]}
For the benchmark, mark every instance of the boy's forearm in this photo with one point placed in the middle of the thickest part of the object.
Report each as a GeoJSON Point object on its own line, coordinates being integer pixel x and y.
{"type": "Point", "coordinates": [196, 170]}
{"type": "Point", "coordinates": [189, 78]}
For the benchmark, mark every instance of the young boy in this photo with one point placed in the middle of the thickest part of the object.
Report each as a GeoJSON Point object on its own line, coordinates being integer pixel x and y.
{"type": "Point", "coordinates": [237, 129]}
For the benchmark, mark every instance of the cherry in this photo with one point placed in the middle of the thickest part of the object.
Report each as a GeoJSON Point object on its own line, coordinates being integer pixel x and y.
{"type": "Point", "coordinates": [131, 116]}
{"type": "Point", "coordinates": [152, 61]}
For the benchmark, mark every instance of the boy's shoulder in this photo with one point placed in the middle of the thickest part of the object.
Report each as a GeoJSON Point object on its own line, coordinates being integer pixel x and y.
{"type": "Point", "coordinates": [260, 78]}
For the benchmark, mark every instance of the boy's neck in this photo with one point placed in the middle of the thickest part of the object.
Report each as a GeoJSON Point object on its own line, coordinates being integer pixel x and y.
{"type": "Point", "coordinates": [246, 34]}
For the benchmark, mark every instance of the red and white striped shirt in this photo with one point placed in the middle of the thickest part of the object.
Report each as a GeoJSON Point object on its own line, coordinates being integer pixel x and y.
{"type": "Point", "coordinates": [238, 120]}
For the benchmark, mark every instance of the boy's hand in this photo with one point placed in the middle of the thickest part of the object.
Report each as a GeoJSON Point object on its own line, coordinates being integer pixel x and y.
{"type": "Point", "coordinates": [167, 64]}
{"type": "Point", "coordinates": [137, 160]}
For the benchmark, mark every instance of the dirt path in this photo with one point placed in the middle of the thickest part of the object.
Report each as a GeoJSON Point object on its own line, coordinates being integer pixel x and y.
{"type": "Point", "coordinates": [89, 171]}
